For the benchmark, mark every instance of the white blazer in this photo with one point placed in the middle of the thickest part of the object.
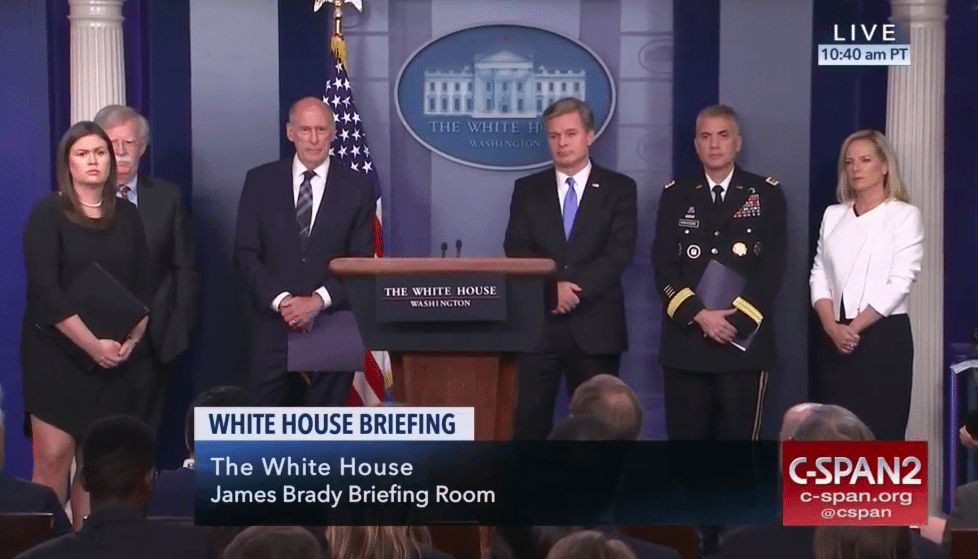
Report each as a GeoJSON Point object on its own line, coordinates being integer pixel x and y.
{"type": "Point", "coordinates": [868, 260]}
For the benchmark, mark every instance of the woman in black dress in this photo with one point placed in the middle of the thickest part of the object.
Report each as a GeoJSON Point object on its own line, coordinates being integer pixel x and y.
{"type": "Point", "coordinates": [80, 224]}
{"type": "Point", "coordinates": [870, 248]}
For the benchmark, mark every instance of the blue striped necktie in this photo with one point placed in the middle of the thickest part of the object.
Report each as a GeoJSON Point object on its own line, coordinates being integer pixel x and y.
{"type": "Point", "coordinates": [303, 208]}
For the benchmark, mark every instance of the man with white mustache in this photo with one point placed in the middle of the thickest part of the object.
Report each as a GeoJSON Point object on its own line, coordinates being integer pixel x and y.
{"type": "Point", "coordinates": [171, 247]}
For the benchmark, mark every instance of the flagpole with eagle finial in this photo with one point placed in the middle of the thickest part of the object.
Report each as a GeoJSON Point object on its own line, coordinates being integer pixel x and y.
{"type": "Point", "coordinates": [337, 43]}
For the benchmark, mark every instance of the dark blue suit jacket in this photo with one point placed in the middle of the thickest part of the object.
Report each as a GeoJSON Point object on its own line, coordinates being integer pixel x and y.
{"type": "Point", "coordinates": [600, 248]}
{"type": "Point", "coordinates": [173, 495]}
{"type": "Point", "coordinates": [122, 533]}
{"type": "Point", "coordinates": [17, 495]}
{"type": "Point", "coordinates": [269, 256]}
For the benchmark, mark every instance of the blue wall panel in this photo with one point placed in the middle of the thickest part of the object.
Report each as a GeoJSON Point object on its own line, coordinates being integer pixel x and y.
{"type": "Point", "coordinates": [25, 156]}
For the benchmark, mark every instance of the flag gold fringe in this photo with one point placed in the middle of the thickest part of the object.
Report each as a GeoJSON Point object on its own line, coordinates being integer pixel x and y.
{"type": "Point", "coordinates": [338, 46]}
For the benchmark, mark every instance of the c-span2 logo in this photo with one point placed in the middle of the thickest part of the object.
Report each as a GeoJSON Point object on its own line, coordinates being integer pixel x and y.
{"type": "Point", "coordinates": [475, 96]}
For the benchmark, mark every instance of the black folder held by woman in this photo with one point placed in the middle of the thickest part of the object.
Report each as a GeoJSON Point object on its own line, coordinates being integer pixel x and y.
{"type": "Point", "coordinates": [108, 309]}
{"type": "Point", "coordinates": [718, 287]}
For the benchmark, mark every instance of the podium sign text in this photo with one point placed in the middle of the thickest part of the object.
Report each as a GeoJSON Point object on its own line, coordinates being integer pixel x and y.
{"type": "Point", "coordinates": [441, 298]}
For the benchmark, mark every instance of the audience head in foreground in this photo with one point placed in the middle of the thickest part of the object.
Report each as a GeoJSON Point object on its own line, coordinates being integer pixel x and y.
{"type": "Point", "coordinates": [608, 398]}
{"type": "Point", "coordinates": [589, 544]}
{"type": "Point", "coordinates": [864, 542]}
{"type": "Point", "coordinates": [795, 415]}
{"type": "Point", "coordinates": [582, 428]}
{"type": "Point", "coordinates": [829, 422]}
{"type": "Point", "coordinates": [119, 462]}
{"type": "Point", "coordinates": [118, 471]}
{"type": "Point", "coordinates": [216, 397]}
{"type": "Point", "coordinates": [274, 542]}
{"type": "Point", "coordinates": [589, 474]}
{"type": "Point", "coordinates": [377, 542]}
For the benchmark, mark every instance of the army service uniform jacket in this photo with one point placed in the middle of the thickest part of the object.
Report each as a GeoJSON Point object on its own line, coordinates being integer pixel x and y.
{"type": "Point", "coordinates": [747, 234]}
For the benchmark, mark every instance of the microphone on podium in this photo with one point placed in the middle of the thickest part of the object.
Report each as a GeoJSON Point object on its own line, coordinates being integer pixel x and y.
{"type": "Point", "coordinates": [458, 248]}
{"type": "Point", "coordinates": [444, 248]}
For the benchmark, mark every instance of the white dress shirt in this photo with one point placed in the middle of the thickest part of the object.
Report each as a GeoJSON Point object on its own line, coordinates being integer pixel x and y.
{"type": "Point", "coordinates": [724, 184]}
{"type": "Point", "coordinates": [580, 180]}
{"type": "Point", "coordinates": [318, 184]}
{"type": "Point", "coordinates": [868, 260]}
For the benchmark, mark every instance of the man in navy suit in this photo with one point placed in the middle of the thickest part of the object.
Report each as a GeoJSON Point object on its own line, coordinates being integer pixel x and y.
{"type": "Point", "coordinates": [583, 217]}
{"type": "Point", "coordinates": [294, 216]}
{"type": "Point", "coordinates": [170, 240]}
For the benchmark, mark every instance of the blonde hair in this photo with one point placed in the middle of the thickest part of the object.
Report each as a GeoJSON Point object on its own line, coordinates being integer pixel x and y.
{"type": "Point", "coordinates": [377, 542]}
{"type": "Point", "coordinates": [589, 544]}
{"type": "Point", "coordinates": [893, 184]}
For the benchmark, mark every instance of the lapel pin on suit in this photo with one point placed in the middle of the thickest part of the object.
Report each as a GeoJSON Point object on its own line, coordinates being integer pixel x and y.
{"type": "Point", "coordinates": [699, 186]}
{"type": "Point", "coordinates": [595, 185]}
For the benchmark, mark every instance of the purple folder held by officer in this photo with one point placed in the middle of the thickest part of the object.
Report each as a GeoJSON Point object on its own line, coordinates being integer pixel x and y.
{"type": "Point", "coordinates": [718, 287]}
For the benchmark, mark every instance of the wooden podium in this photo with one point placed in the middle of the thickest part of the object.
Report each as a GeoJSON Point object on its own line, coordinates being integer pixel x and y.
{"type": "Point", "coordinates": [454, 363]}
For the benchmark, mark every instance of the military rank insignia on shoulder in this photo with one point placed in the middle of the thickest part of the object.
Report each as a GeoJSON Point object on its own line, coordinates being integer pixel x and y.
{"type": "Point", "coordinates": [772, 181]}
{"type": "Point", "coordinates": [670, 184]}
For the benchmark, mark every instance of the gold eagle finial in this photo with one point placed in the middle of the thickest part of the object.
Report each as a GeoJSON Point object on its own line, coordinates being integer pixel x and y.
{"type": "Point", "coordinates": [358, 4]}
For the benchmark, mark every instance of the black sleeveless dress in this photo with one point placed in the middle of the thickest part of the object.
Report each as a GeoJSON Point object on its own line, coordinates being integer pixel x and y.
{"type": "Point", "coordinates": [58, 388]}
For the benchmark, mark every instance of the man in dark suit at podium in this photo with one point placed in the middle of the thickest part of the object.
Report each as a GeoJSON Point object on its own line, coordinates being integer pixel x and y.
{"type": "Point", "coordinates": [713, 388]}
{"type": "Point", "coordinates": [583, 217]}
{"type": "Point", "coordinates": [294, 216]}
{"type": "Point", "coordinates": [171, 248]}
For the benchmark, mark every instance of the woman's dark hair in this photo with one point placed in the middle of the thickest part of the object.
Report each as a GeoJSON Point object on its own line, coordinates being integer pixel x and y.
{"type": "Point", "coordinates": [217, 397]}
{"type": "Point", "coordinates": [69, 199]}
{"type": "Point", "coordinates": [590, 544]}
{"type": "Point", "coordinates": [274, 542]}
{"type": "Point", "coordinates": [864, 542]}
{"type": "Point", "coordinates": [117, 453]}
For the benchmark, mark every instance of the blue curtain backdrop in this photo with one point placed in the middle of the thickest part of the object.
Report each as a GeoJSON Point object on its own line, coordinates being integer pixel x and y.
{"type": "Point", "coordinates": [157, 51]}
{"type": "Point", "coordinates": [25, 157]}
{"type": "Point", "coordinates": [960, 197]}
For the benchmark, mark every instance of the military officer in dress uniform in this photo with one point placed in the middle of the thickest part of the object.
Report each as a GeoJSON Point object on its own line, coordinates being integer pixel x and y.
{"type": "Point", "coordinates": [716, 360]}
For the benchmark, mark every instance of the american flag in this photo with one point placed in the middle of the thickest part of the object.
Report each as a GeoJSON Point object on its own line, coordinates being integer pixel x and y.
{"type": "Point", "coordinates": [350, 148]}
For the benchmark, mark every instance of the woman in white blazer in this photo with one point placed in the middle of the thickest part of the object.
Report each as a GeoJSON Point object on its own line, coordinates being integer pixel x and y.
{"type": "Point", "coordinates": [869, 250]}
